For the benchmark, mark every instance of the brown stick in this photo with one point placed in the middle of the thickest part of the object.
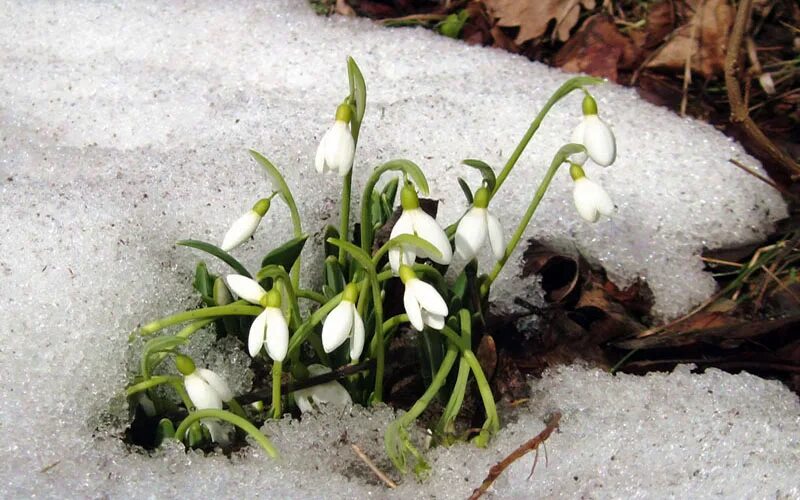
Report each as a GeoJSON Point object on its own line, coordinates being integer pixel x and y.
{"type": "Point", "coordinates": [739, 111]}
{"type": "Point", "coordinates": [527, 447]}
{"type": "Point", "coordinates": [364, 458]}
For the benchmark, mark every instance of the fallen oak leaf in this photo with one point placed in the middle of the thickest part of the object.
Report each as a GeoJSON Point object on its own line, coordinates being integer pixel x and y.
{"type": "Point", "coordinates": [533, 16]}
{"type": "Point", "coordinates": [704, 39]}
{"type": "Point", "coordinates": [597, 49]}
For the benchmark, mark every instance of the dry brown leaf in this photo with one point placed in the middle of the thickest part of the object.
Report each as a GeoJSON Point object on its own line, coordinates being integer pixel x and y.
{"type": "Point", "coordinates": [704, 38]}
{"type": "Point", "coordinates": [532, 16]}
{"type": "Point", "coordinates": [598, 49]}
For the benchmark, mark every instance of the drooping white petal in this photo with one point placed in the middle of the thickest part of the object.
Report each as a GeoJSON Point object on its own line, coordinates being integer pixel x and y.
{"type": "Point", "coordinates": [496, 239]}
{"type": "Point", "coordinates": [328, 393]}
{"type": "Point", "coordinates": [340, 148]}
{"type": "Point", "coordinates": [429, 230]}
{"type": "Point", "coordinates": [591, 200]}
{"type": "Point", "coordinates": [319, 159]}
{"type": "Point", "coordinates": [471, 233]}
{"type": "Point", "coordinates": [413, 309]}
{"type": "Point", "coordinates": [219, 433]}
{"type": "Point", "coordinates": [202, 395]}
{"type": "Point", "coordinates": [245, 288]}
{"type": "Point", "coordinates": [258, 332]}
{"type": "Point", "coordinates": [404, 225]}
{"type": "Point", "coordinates": [577, 138]}
{"type": "Point", "coordinates": [434, 321]}
{"type": "Point", "coordinates": [357, 339]}
{"type": "Point", "coordinates": [217, 383]}
{"type": "Point", "coordinates": [337, 326]}
{"type": "Point", "coordinates": [427, 296]}
{"type": "Point", "coordinates": [277, 342]}
{"type": "Point", "coordinates": [599, 141]}
{"type": "Point", "coordinates": [242, 229]}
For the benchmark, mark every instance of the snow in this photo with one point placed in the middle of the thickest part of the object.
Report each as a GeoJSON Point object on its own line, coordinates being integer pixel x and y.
{"type": "Point", "coordinates": [124, 129]}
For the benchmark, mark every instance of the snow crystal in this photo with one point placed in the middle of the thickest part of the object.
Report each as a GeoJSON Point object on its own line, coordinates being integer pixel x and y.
{"type": "Point", "coordinates": [125, 128]}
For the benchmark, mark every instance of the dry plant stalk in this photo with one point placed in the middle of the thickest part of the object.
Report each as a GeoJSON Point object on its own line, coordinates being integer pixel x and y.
{"type": "Point", "coordinates": [527, 447]}
{"type": "Point", "coordinates": [374, 468]}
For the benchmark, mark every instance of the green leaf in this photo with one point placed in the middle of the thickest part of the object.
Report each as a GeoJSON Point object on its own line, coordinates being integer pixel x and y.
{"type": "Point", "coordinates": [390, 190]}
{"type": "Point", "coordinates": [360, 255]}
{"type": "Point", "coordinates": [453, 24]}
{"type": "Point", "coordinates": [486, 171]}
{"type": "Point", "coordinates": [334, 277]}
{"type": "Point", "coordinates": [218, 253]}
{"type": "Point", "coordinates": [467, 191]}
{"type": "Point", "coordinates": [411, 169]}
{"type": "Point", "coordinates": [386, 209]}
{"type": "Point", "coordinates": [204, 283]}
{"type": "Point", "coordinates": [331, 232]}
{"type": "Point", "coordinates": [408, 240]}
{"type": "Point", "coordinates": [376, 210]}
{"type": "Point", "coordinates": [286, 254]}
{"type": "Point", "coordinates": [358, 88]}
{"type": "Point", "coordinates": [165, 430]}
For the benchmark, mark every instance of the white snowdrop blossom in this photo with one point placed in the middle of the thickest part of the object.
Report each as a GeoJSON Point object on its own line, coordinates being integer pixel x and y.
{"type": "Point", "coordinates": [206, 390]}
{"type": "Point", "coordinates": [416, 221]}
{"type": "Point", "coordinates": [331, 393]}
{"type": "Point", "coordinates": [269, 329]}
{"type": "Point", "coordinates": [475, 226]}
{"type": "Point", "coordinates": [591, 200]}
{"type": "Point", "coordinates": [244, 227]}
{"type": "Point", "coordinates": [423, 304]}
{"type": "Point", "coordinates": [337, 147]}
{"type": "Point", "coordinates": [344, 323]}
{"type": "Point", "coordinates": [595, 135]}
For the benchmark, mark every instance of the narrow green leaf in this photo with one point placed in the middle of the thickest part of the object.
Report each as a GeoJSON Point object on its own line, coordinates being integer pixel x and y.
{"type": "Point", "coordinates": [390, 190]}
{"type": "Point", "coordinates": [286, 254]}
{"type": "Point", "coordinates": [360, 255]}
{"type": "Point", "coordinates": [376, 210]}
{"type": "Point", "coordinates": [467, 191]}
{"type": "Point", "coordinates": [204, 283]}
{"type": "Point", "coordinates": [408, 240]}
{"type": "Point", "coordinates": [486, 171]}
{"type": "Point", "coordinates": [218, 253]}
{"type": "Point", "coordinates": [334, 277]}
{"type": "Point", "coordinates": [359, 88]}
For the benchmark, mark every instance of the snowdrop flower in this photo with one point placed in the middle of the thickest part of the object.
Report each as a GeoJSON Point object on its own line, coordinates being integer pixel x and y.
{"type": "Point", "coordinates": [269, 329]}
{"type": "Point", "coordinates": [591, 199]}
{"type": "Point", "coordinates": [328, 393]}
{"type": "Point", "coordinates": [424, 305]}
{"type": "Point", "coordinates": [344, 322]}
{"type": "Point", "coordinates": [206, 390]}
{"type": "Point", "coordinates": [476, 224]}
{"type": "Point", "coordinates": [415, 221]}
{"type": "Point", "coordinates": [336, 149]}
{"type": "Point", "coordinates": [245, 226]}
{"type": "Point", "coordinates": [595, 135]}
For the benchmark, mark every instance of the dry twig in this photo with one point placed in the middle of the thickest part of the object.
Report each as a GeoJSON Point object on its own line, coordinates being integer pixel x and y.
{"type": "Point", "coordinates": [739, 110]}
{"type": "Point", "coordinates": [374, 468]}
{"type": "Point", "coordinates": [527, 447]}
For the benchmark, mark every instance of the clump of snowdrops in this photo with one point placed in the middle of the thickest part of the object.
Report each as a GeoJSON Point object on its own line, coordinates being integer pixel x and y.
{"type": "Point", "coordinates": [334, 351]}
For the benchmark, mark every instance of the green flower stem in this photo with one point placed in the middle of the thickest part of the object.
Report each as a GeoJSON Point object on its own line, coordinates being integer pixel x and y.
{"type": "Point", "coordinates": [227, 416]}
{"type": "Point", "coordinates": [238, 308]}
{"type": "Point", "coordinates": [460, 387]}
{"type": "Point", "coordinates": [236, 408]}
{"type": "Point", "coordinates": [286, 194]}
{"type": "Point", "coordinates": [277, 372]}
{"type": "Point", "coordinates": [344, 222]}
{"type": "Point", "coordinates": [158, 357]}
{"type": "Point", "coordinates": [492, 420]}
{"type": "Point", "coordinates": [405, 166]}
{"type": "Point", "coordinates": [563, 91]}
{"type": "Point", "coordinates": [310, 295]}
{"type": "Point", "coordinates": [181, 390]}
{"type": "Point", "coordinates": [307, 327]}
{"type": "Point", "coordinates": [388, 326]}
{"type": "Point", "coordinates": [150, 383]}
{"type": "Point", "coordinates": [558, 160]}
{"type": "Point", "coordinates": [438, 381]}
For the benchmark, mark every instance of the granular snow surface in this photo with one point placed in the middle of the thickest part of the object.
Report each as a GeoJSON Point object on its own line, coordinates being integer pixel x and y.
{"type": "Point", "coordinates": [124, 129]}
